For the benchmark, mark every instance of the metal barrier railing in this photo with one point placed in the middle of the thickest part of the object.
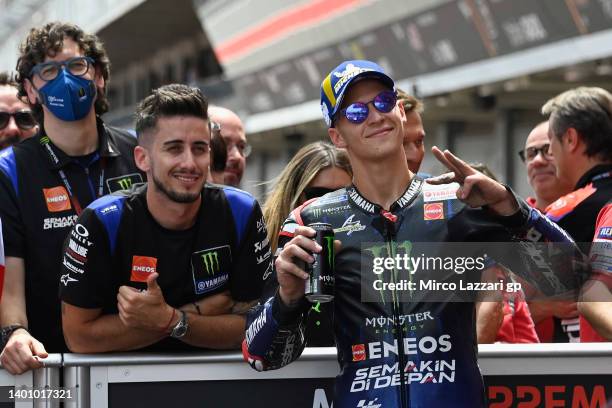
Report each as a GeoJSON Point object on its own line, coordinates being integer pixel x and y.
{"type": "Point", "coordinates": [46, 378]}
{"type": "Point", "coordinates": [210, 366]}
{"type": "Point", "coordinates": [125, 379]}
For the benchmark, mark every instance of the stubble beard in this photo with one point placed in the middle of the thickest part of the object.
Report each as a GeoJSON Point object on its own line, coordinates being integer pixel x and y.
{"type": "Point", "coordinates": [177, 197]}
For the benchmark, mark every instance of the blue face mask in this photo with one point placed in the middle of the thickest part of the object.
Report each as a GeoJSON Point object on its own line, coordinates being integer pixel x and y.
{"type": "Point", "coordinates": [68, 97]}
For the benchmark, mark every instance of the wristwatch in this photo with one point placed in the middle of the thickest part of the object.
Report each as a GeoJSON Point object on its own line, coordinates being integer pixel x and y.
{"type": "Point", "coordinates": [181, 327]}
{"type": "Point", "coordinates": [7, 331]}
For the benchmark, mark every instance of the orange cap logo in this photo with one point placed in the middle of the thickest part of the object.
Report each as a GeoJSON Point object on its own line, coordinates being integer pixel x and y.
{"type": "Point", "coordinates": [433, 211]}
{"type": "Point", "coordinates": [142, 267]}
{"type": "Point", "coordinates": [359, 353]}
{"type": "Point", "coordinates": [57, 199]}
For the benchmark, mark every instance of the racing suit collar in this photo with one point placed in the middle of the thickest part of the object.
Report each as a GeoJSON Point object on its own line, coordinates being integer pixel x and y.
{"type": "Point", "coordinates": [412, 191]}
{"type": "Point", "coordinates": [591, 174]}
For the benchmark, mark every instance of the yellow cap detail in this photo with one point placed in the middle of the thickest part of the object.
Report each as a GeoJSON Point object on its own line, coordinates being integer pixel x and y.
{"type": "Point", "coordinates": [327, 88]}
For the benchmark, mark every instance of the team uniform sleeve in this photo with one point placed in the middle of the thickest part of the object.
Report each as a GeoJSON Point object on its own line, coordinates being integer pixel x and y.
{"type": "Point", "coordinates": [253, 262]}
{"type": "Point", "coordinates": [550, 258]}
{"type": "Point", "coordinates": [601, 251]}
{"type": "Point", "coordinates": [13, 228]}
{"type": "Point", "coordinates": [542, 252]}
{"type": "Point", "coordinates": [529, 224]}
{"type": "Point", "coordinates": [86, 263]}
{"type": "Point", "coordinates": [275, 332]}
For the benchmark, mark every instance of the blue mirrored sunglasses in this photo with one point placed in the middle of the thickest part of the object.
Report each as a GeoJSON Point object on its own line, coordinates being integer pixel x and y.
{"type": "Point", "coordinates": [358, 112]}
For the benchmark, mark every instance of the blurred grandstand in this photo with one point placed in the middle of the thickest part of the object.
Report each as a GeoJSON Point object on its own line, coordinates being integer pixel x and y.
{"type": "Point", "coordinates": [484, 67]}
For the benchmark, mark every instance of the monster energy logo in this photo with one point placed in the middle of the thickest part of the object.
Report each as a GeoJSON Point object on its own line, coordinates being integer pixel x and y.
{"type": "Point", "coordinates": [44, 141]}
{"type": "Point", "coordinates": [211, 262]}
{"type": "Point", "coordinates": [330, 250]}
{"type": "Point", "coordinates": [125, 183]}
{"type": "Point", "coordinates": [390, 250]}
{"type": "Point", "coordinates": [378, 251]}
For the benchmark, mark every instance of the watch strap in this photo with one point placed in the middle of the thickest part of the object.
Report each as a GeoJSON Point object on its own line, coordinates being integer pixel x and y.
{"type": "Point", "coordinates": [7, 331]}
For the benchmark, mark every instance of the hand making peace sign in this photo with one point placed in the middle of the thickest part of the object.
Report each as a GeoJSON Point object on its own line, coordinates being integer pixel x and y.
{"type": "Point", "coordinates": [476, 189]}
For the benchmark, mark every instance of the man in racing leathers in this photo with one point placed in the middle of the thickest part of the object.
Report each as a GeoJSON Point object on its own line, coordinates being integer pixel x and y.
{"type": "Point", "coordinates": [391, 353]}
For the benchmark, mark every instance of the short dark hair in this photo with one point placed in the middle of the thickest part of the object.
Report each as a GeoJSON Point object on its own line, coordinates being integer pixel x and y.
{"type": "Point", "coordinates": [48, 40]}
{"type": "Point", "coordinates": [411, 104]}
{"type": "Point", "coordinates": [589, 111]}
{"type": "Point", "coordinates": [169, 100]}
{"type": "Point", "coordinates": [8, 79]}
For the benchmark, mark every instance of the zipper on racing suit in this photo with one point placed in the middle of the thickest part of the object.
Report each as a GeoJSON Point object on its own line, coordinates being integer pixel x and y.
{"type": "Point", "coordinates": [390, 235]}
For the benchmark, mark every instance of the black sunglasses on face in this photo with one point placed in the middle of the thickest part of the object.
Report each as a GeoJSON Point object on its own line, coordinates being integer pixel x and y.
{"type": "Point", "coordinates": [23, 119]}
{"type": "Point", "coordinates": [314, 192]}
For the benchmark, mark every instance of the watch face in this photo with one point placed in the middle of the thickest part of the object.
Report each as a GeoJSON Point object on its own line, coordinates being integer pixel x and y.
{"type": "Point", "coordinates": [181, 327]}
{"type": "Point", "coordinates": [180, 331]}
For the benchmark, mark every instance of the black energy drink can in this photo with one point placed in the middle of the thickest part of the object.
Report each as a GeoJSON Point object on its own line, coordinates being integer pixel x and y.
{"type": "Point", "coordinates": [320, 284]}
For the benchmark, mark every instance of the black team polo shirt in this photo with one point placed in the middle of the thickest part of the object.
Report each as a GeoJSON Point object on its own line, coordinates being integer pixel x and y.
{"type": "Point", "coordinates": [37, 212]}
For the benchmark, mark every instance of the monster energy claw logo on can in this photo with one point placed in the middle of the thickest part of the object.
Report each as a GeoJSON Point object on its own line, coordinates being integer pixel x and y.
{"type": "Point", "coordinates": [320, 284]}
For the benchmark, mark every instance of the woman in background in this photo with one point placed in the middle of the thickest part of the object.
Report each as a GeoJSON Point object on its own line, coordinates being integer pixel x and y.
{"type": "Point", "coordinates": [315, 170]}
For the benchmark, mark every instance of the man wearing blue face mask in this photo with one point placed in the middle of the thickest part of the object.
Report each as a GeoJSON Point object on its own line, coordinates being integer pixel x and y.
{"type": "Point", "coordinates": [46, 181]}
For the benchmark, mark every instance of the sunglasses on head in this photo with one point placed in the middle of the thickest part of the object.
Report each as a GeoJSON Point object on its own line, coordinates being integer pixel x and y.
{"type": "Point", "coordinates": [314, 192]}
{"type": "Point", "coordinates": [23, 119]}
{"type": "Point", "coordinates": [358, 112]}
